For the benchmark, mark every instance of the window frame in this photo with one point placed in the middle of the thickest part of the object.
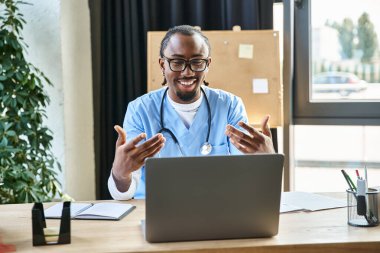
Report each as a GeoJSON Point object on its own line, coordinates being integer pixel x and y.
{"type": "Point", "coordinates": [364, 112]}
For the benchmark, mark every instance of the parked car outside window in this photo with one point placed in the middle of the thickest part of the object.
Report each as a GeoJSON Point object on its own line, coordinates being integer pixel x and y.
{"type": "Point", "coordinates": [343, 83]}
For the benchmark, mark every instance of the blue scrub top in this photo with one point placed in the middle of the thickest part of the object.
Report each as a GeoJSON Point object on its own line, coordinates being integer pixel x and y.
{"type": "Point", "coordinates": [143, 115]}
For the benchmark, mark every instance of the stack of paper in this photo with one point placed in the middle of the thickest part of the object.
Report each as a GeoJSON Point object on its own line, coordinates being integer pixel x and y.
{"type": "Point", "coordinates": [295, 201]}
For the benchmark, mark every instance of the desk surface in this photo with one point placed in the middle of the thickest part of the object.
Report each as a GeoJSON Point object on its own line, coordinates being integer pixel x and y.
{"type": "Point", "coordinates": [321, 231]}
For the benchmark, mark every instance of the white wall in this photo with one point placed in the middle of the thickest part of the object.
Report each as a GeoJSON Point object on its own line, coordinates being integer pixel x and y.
{"type": "Point", "coordinates": [58, 35]}
{"type": "Point", "coordinates": [41, 33]}
{"type": "Point", "coordinates": [78, 105]}
{"type": "Point", "coordinates": [337, 143]}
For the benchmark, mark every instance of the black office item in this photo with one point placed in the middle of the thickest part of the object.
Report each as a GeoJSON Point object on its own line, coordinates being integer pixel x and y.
{"type": "Point", "coordinates": [361, 208]}
{"type": "Point", "coordinates": [39, 223]}
{"type": "Point", "coordinates": [361, 197]}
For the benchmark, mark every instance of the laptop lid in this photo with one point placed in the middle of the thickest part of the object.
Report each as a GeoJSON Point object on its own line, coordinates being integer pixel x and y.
{"type": "Point", "coordinates": [212, 197]}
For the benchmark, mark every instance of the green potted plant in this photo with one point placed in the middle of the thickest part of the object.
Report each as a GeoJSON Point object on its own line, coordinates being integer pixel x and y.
{"type": "Point", "coordinates": [26, 161]}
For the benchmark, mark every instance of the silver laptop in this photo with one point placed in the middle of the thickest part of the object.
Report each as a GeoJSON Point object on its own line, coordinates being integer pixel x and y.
{"type": "Point", "coordinates": [213, 197]}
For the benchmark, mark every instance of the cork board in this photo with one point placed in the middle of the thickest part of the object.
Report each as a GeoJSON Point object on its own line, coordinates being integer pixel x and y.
{"type": "Point", "coordinates": [245, 63]}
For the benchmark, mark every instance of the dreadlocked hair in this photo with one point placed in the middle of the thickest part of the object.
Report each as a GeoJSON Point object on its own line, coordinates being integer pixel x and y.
{"type": "Point", "coordinates": [184, 30]}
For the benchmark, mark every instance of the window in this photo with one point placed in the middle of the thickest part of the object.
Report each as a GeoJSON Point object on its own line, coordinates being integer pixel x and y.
{"type": "Point", "coordinates": [345, 55]}
{"type": "Point", "coordinates": [337, 62]}
{"type": "Point", "coordinates": [336, 92]}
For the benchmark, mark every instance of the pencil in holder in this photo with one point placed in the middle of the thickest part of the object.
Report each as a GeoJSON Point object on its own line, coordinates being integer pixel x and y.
{"type": "Point", "coordinates": [363, 211]}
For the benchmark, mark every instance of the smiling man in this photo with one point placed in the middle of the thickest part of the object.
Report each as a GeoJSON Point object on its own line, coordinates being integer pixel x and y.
{"type": "Point", "coordinates": [186, 118]}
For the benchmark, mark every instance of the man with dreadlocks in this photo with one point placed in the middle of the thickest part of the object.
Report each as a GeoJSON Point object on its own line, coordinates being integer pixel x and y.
{"type": "Point", "coordinates": [186, 118]}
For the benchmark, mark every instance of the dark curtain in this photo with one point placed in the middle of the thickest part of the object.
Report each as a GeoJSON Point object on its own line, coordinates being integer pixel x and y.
{"type": "Point", "coordinates": [119, 41]}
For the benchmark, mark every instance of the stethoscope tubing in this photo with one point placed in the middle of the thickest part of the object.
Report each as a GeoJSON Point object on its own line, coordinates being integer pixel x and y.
{"type": "Point", "coordinates": [164, 129]}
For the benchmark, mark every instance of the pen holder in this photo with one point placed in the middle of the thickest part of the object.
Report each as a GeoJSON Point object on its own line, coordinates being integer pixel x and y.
{"type": "Point", "coordinates": [363, 211]}
{"type": "Point", "coordinates": [39, 225]}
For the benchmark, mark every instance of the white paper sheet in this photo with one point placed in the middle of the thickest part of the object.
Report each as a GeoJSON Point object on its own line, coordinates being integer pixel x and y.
{"type": "Point", "coordinates": [260, 86]}
{"type": "Point", "coordinates": [102, 211]}
{"type": "Point", "coordinates": [55, 211]}
{"type": "Point", "coordinates": [284, 208]}
{"type": "Point", "coordinates": [111, 210]}
{"type": "Point", "coordinates": [246, 51]}
{"type": "Point", "coordinates": [309, 201]}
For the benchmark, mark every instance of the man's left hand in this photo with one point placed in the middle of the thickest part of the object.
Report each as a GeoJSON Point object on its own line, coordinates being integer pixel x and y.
{"type": "Point", "coordinates": [253, 142]}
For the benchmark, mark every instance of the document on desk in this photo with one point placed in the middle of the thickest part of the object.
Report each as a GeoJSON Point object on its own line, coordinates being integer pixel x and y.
{"type": "Point", "coordinates": [296, 201]}
{"type": "Point", "coordinates": [91, 211]}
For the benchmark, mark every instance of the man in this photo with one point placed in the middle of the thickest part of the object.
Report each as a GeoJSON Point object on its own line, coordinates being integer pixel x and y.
{"type": "Point", "coordinates": [184, 119]}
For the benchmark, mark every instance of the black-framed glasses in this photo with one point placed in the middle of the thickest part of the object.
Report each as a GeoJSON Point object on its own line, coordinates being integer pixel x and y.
{"type": "Point", "coordinates": [179, 65]}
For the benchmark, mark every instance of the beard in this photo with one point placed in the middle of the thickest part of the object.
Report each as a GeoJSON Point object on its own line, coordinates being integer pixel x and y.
{"type": "Point", "coordinates": [187, 96]}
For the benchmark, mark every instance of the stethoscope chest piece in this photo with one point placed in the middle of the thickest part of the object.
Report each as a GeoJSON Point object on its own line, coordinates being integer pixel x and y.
{"type": "Point", "coordinates": [206, 148]}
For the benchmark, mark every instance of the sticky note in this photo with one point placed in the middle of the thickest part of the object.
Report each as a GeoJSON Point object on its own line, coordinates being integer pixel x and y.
{"type": "Point", "coordinates": [246, 51]}
{"type": "Point", "coordinates": [51, 234]}
{"type": "Point", "coordinates": [260, 86]}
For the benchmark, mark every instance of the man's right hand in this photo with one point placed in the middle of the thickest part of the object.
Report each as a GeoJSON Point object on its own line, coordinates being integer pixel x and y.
{"type": "Point", "coordinates": [130, 156]}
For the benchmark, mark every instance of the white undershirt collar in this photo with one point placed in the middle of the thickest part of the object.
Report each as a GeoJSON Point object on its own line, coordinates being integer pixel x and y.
{"type": "Point", "coordinates": [187, 111]}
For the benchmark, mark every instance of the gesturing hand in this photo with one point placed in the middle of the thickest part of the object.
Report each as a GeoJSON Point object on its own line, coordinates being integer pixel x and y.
{"type": "Point", "coordinates": [131, 156]}
{"type": "Point", "coordinates": [255, 141]}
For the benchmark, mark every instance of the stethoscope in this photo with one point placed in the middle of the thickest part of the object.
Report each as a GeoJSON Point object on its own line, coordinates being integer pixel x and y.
{"type": "Point", "coordinates": [206, 148]}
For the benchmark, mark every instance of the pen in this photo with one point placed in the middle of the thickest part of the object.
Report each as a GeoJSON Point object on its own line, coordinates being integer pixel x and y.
{"type": "Point", "coordinates": [357, 174]}
{"type": "Point", "coordinates": [349, 182]}
{"type": "Point", "coordinates": [352, 183]}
